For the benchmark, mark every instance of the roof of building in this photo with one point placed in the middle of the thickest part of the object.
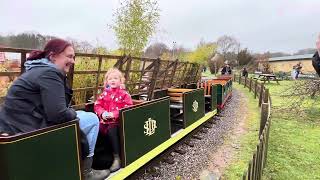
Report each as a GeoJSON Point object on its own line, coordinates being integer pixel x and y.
{"type": "Point", "coordinates": [292, 58]}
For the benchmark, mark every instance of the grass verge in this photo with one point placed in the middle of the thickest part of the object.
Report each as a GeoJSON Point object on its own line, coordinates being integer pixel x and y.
{"type": "Point", "coordinates": [248, 141]}
{"type": "Point", "coordinates": [294, 144]}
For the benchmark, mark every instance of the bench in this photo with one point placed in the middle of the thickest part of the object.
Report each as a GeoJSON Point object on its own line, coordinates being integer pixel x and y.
{"type": "Point", "coordinates": [186, 105]}
{"type": "Point", "coordinates": [176, 94]}
{"type": "Point", "coordinates": [268, 77]}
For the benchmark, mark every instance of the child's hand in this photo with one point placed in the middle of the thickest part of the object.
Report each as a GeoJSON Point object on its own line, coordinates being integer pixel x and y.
{"type": "Point", "coordinates": [107, 115]}
{"type": "Point", "coordinates": [122, 86]}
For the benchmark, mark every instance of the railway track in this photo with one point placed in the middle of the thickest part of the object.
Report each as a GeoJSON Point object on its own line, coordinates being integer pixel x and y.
{"type": "Point", "coordinates": [178, 148]}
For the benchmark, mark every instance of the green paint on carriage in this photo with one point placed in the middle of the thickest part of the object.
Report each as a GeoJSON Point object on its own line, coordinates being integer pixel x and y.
{"type": "Point", "coordinates": [45, 154]}
{"type": "Point", "coordinates": [220, 96]}
{"type": "Point", "coordinates": [144, 127]}
{"type": "Point", "coordinates": [214, 94]}
{"type": "Point", "coordinates": [160, 93]}
{"type": "Point", "coordinates": [193, 106]}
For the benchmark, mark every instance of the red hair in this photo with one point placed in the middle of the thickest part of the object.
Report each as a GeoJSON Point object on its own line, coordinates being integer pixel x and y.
{"type": "Point", "coordinates": [54, 46]}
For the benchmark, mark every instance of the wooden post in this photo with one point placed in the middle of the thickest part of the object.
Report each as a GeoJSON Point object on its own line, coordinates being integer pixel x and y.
{"type": "Point", "coordinates": [153, 80]}
{"type": "Point", "coordinates": [173, 73]}
{"type": "Point", "coordinates": [239, 79]}
{"type": "Point", "coordinates": [127, 70]}
{"type": "Point", "coordinates": [97, 79]}
{"type": "Point", "coordinates": [245, 81]}
{"type": "Point", "coordinates": [70, 76]}
{"type": "Point", "coordinates": [266, 96]}
{"type": "Point", "coordinates": [244, 175]}
{"type": "Point", "coordinates": [250, 170]}
{"type": "Point", "coordinates": [250, 84]}
{"type": "Point", "coordinates": [255, 88]}
{"type": "Point", "coordinates": [264, 117]}
{"type": "Point", "coordinates": [258, 161]}
{"type": "Point", "coordinates": [263, 144]}
{"type": "Point", "coordinates": [261, 94]}
{"type": "Point", "coordinates": [253, 175]}
{"type": "Point", "coordinates": [267, 140]}
{"type": "Point", "coordinates": [23, 60]}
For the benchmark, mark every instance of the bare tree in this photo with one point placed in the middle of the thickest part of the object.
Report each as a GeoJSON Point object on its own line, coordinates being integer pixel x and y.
{"type": "Point", "coordinates": [228, 47]}
{"type": "Point", "coordinates": [215, 63]}
{"type": "Point", "coordinates": [156, 50]}
{"type": "Point", "coordinates": [244, 57]}
{"type": "Point", "coordinates": [81, 46]}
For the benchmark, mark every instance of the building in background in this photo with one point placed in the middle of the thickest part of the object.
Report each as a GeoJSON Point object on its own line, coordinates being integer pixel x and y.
{"type": "Point", "coordinates": [286, 63]}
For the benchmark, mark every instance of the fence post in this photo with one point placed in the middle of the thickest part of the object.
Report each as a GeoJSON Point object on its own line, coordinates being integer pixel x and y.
{"type": "Point", "coordinates": [97, 79]}
{"type": "Point", "coordinates": [267, 141]}
{"type": "Point", "coordinates": [258, 160]}
{"type": "Point", "coordinates": [23, 56]}
{"type": "Point", "coordinates": [239, 79]}
{"type": "Point", "coordinates": [255, 88]}
{"type": "Point", "coordinates": [254, 166]}
{"type": "Point", "coordinates": [249, 174]}
{"type": "Point", "coordinates": [244, 175]}
{"type": "Point", "coordinates": [263, 139]}
{"type": "Point", "coordinates": [266, 96]}
{"type": "Point", "coordinates": [245, 81]}
{"type": "Point", "coordinates": [250, 84]}
{"type": "Point", "coordinates": [264, 116]}
{"type": "Point", "coordinates": [261, 94]}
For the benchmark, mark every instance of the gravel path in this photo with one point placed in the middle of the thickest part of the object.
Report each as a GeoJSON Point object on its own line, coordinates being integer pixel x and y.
{"type": "Point", "coordinates": [209, 154]}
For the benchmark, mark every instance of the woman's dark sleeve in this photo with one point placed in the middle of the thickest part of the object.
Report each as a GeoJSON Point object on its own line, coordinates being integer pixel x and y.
{"type": "Point", "coordinates": [53, 98]}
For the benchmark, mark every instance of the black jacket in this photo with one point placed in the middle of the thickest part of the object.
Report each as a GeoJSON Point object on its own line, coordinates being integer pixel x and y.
{"type": "Point", "coordinates": [38, 98]}
{"type": "Point", "coordinates": [316, 62]}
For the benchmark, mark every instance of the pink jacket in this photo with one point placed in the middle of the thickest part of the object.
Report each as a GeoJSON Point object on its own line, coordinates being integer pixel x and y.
{"type": "Point", "coordinates": [111, 100]}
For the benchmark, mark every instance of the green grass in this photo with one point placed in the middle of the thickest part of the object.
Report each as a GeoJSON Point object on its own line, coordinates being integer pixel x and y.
{"type": "Point", "coordinates": [248, 141]}
{"type": "Point", "coordinates": [207, 73]}
{"type": "Point", "coordinates": [294, 144]}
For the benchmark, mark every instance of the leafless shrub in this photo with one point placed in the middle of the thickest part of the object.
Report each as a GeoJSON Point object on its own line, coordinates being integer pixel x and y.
{"type": "Point", "coordinates": [301, 97]}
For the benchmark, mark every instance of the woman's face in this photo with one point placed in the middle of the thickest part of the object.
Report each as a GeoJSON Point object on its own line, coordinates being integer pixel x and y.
{"type": "Point", "coordinates": [64, 60]}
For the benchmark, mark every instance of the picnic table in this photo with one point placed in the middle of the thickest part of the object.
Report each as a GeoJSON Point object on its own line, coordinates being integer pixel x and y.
{"type": "Point", "coordinates": [268, 77]}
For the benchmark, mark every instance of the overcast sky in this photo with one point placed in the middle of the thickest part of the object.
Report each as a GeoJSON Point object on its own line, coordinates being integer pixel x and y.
{"type": "Point", "coordinates": [260, 25]}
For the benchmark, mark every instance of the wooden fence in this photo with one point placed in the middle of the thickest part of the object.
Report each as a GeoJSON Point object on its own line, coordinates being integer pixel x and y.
{"type": "Point", "coordinates": [143, 75]}
{"type": "Point", "coordinates": [259, 157]}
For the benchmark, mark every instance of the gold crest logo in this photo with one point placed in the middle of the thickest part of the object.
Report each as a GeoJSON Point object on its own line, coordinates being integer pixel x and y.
{"type": "Point", "coordinates": [195, 106]}
{"type": "Point", "coordinates": [150, 127]}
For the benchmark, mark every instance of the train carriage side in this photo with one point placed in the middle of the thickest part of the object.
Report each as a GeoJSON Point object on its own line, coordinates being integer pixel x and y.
{"type": "Point", "coordinates": [49, 153]}
{"type": "Point", "coordinates": [146, 128]}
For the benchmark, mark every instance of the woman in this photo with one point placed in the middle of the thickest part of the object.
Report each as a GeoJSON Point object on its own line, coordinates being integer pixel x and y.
{"type": "Point", "coordinates": [39, 98]}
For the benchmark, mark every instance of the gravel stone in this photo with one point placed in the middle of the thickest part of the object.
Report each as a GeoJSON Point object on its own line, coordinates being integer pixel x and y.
{"type": "Point", "coordinates": [195, 161]}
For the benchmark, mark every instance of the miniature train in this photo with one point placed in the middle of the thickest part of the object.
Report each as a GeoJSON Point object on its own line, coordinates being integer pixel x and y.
{"type": "Point", "coordinates": [147, 128]}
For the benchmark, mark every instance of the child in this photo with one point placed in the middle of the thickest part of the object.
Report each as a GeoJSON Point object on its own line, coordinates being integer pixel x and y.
{"type": "Point", "coordinates": [107, 107]}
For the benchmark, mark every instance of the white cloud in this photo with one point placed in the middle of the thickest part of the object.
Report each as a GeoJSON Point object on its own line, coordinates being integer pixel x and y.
{"type": "Point", "coordinates": [286, 25]}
